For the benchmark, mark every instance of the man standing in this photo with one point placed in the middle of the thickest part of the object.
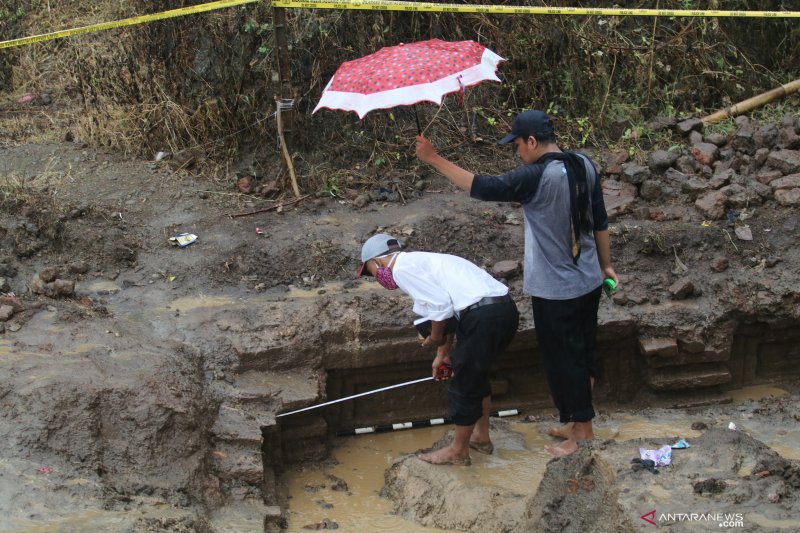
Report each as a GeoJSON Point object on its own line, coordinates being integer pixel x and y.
{"type": "Point", "coordinates": [567, 255]}
{"type": "Point", "coordinates": [442, 286]}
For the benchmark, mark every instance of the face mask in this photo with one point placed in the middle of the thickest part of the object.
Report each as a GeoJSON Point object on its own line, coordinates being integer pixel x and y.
{"type": "Point", "coordinates": [385, 278]}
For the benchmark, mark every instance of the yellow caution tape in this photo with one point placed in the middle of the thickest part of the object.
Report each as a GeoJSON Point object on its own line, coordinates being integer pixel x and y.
{"type": "Point", "coordinates": [191, 10]}
{"type": "Point", "coordinates": [398, 5]}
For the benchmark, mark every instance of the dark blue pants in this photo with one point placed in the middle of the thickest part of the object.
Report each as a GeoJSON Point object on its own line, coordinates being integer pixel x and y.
{"type": "Point", "coordinates": [567, 333]}
{"type": "Point", "coordinates": [482, 335]}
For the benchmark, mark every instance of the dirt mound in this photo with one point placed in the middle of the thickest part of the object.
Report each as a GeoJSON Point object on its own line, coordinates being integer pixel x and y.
{"type": "Point", "coordinates": [725, 479]}
{"type": "Point", "coordinates": [449, 498]}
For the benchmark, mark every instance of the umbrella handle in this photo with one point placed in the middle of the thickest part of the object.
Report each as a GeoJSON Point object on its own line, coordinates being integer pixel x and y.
{"type": "Point", "coordinates": [416, 117]}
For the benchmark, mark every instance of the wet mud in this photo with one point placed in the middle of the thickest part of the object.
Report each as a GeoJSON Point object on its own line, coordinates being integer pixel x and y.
{"type": "Point", "coordinates": [374, 482]}
{"type": "Point", "coordinates": [726, 478]}
{"type": "Point", "coordinates": [140, 381]}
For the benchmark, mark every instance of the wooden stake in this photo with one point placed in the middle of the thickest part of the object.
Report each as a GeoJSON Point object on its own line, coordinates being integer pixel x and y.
{"type": "Point", "coordinates": [283, 63]}
{"type": "Point", "coordinates": [752, 103]}
{"type": "Point", "coordinates": [285, 151]}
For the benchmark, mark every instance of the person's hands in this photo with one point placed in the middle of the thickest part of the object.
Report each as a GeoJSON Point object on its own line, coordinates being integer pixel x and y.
{"type": "Point", "coordinates": [425, 150]}
{"type": "Point", "coordinates": [609, 272]}
{"type": "Point", "coordinates": [442, 358]}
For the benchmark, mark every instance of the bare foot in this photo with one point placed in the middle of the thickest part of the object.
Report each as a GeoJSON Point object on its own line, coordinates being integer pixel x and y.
{"type": "Point", "coordinates": [562, 432]}
{"type": "Point", "coordinates": [445, 456]}
{"type": "Point", "coordinates": [482, 447]}
{"type": "Point", "coordinates": [565, 448]}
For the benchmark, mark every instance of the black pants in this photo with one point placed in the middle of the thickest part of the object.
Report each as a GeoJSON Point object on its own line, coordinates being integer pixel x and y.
{"type": "Point", "coordinates": [482, 335]}
{"type": "Point", "coordinates": [567, 333]}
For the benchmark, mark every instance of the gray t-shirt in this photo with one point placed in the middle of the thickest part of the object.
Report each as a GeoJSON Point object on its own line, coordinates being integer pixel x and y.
{"type": "Point", "coordinates": [543, 191]}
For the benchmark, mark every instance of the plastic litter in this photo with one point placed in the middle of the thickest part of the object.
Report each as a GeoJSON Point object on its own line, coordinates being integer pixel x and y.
{"type": "Point", "coordinates": [681, 444]}
{"type": "Point", "coordinates": [744, 233]}
{"type": "Point", "coordinates": [732, 426]}
{"type": "Point", "coordinates": [44, 469]}
{"type": "Point", "coordinates": [183, 239]}
{"type": "Point", "coordinates": [661, 456]}
{"type": "Point", "coordinates": [259, 231]}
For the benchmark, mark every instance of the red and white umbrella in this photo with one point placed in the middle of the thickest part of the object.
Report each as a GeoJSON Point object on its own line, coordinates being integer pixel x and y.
{"type": "Point", "coordinates": [408, 73]}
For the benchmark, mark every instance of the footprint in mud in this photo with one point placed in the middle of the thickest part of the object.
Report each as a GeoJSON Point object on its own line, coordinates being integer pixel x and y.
{"type": "Point", "coordinates": [710, 486]}
{"type": "Point", "coordinates": [324, 504]}
{"type": "Point", "coordinates": [338, 483]}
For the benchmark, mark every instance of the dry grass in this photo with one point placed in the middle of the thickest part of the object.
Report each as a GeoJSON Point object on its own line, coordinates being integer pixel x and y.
{"type": "Point", "coordinates": [205, 83]}
{"type": "Point", "coordinates": [38, 197]}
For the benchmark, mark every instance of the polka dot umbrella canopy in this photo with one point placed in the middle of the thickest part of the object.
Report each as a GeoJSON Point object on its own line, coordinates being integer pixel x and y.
{"type": "Point", "coordinates": [408, 73]}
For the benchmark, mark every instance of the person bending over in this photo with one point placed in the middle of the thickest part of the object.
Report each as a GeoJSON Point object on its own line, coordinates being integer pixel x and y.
{"type": "Point", "coordinates": [442, 286]}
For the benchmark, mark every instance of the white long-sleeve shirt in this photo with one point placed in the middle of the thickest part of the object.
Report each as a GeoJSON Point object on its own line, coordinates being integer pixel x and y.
{"type": "Point", "coordinates": [441, 284]}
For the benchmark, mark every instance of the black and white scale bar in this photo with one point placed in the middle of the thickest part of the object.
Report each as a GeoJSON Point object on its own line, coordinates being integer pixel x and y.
{"type": "Point", "coordinates": [414, 424]}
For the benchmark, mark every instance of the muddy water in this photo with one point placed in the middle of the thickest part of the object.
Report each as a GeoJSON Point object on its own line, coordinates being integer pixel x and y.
{"type": "Point", "coordinates": [630, 427]}
{"type": "Point", "coordinates": [83, 522]}
{"type": "Point", "coordinates": [757, 392]}
{"type": "Point", "coordinates": [331, 287]}
{"type": "Point", "coordinates": [362, 460]}
{"type": "Point", "coordinates": [89, 521]}
{"type": "Point", "coordinates": [784, 440]}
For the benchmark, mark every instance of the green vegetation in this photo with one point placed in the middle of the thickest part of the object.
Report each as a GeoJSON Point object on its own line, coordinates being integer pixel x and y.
{"type": "Point", "coordinates": [11, 16]}
{"type": "Point", "coordinates": [209, 82]}
{"type": "Point", "coordinates": [262, 30]}
{"type": "Point", "coordinates": [725, 127]}
{"type": "Point", "coordinates": [331, 186]}
{"type": "Point", "coordinates": [485, 115]}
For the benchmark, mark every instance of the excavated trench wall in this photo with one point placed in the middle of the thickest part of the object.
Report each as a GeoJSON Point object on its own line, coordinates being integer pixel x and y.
{"type": "Point", "coordinates": [680, 370]}
{"type": "Point", "coordinates": [675, 354]}
{"type": "Point", "coordinates": [670, 355]}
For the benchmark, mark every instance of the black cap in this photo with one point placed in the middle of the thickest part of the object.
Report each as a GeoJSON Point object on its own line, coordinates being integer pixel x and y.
{"type": "Point", "coordinates": [527, 123]}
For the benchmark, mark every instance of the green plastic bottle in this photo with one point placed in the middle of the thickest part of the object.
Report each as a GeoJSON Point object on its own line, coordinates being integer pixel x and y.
{"type": "Point", "coordinates": [609, 286]}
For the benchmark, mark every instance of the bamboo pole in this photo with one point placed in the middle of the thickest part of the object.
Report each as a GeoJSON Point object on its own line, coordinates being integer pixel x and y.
{"type": "Point", "coordinates": [752, 103]}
